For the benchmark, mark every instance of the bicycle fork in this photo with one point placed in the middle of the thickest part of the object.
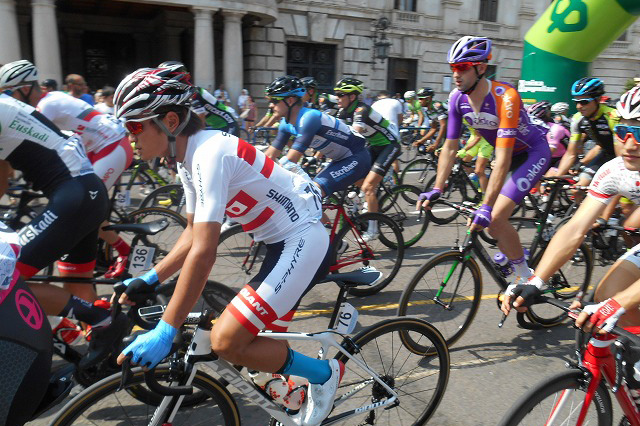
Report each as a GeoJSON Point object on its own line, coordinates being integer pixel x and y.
{"type": "Point", "coordinates": [436, 299]}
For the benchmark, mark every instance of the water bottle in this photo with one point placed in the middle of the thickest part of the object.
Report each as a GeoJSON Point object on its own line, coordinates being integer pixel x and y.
{"type": "Point", "coordinates": [475, 179]}
{"type": "Point", "coordinates": [66, 330]}
{"type": "Point", "coordinates": [503, 264]}
{"type": "Point", "coordinates": [527, 254]}
{"type": "Point", "coordinates": [291, 393]}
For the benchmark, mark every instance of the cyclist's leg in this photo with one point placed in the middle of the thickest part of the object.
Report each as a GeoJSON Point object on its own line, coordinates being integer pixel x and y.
{"type": "Point", "coordinates": [384, 157]}
{"type": "Point", "coordinates": [526, 170]}
{"type": "Point", "coordinates": [339, 175]}
{"type": "Point", "coordinates": [271, 295]}
{"type": "Point", "coordinates": [632, 213]}
{"type": "Point", "coordinates": [623, 273]}
{"type": "Point", "coordinates": [485, 151]}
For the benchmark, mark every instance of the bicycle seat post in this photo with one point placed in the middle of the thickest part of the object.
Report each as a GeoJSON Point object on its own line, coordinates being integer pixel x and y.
{"type": "Point", "coordinates": [342, 297]}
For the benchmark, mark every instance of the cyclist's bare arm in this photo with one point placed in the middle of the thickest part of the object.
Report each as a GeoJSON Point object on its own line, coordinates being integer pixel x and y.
{"type": "Point", "coordinates": [294, 155]}
{"type": "Point", "coordinates": [273, 120]}
{"type": "Point", "coordinates": [566, 241]}
{"type": "Point", "coordinates": [445, 163]}
{"type": "Point", "coordinates": [569, 158]}
{"type": "Point", "coordinates": [420, 117]}
{"type": "Point", "coordinates": [593, 152]}
{"type": "Point", "coordinates": [442, 133]}
{"type": "Point", "coordinates": [174, 260]}
{"type": "Point", "coordinates": [197, 265]}
{"type": "Point", "coordinates": [429, 134]}
{"type": "Point", "coordinates": [273, 153]}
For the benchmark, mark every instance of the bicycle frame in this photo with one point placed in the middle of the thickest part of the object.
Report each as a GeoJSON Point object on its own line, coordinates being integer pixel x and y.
{"type": "Point", "coordinates": [365, 251]}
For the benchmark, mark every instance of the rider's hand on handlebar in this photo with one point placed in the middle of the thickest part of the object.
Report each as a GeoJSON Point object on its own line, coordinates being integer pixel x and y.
{"type": "Point", "coordinates": [481, 218]}
{"type": "Point", "coordinates": [525, 294]}
{"type": "Point", "coordinates": [427, 197]}
{"type": "Point", "coordinates": [143, 285]}
{"type": "Point", "coordinates": [151, 348]}
{"type": "Point", "coordinates": [603, 316]}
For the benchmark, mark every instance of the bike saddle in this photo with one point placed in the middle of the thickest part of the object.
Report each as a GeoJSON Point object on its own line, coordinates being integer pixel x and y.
{"type": "Point", "coordinates": [60, 385]}
{"type": "Point", "coordinates": [149, 228]}
{"type": "Point", "coordinates": [364, 276]}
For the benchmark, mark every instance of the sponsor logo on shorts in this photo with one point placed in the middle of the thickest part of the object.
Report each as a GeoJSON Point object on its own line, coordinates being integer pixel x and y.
{"type": "Point", "coordinates": [525, 183]}
{"type": "Point", "coordinates": [32, 230]}
{"type": "Point", "coordinates": [343, 170]}
{"type": "Point", "coordinates": [200, 188]}
{"type": "Point", "coordinates": [294, 261]}
{"type": "Point", "coordinates": [108, 174]}
{"type": "Point", "coordinates": [257, 307]}
{"type": "Point", "coordinates": [93, 194]}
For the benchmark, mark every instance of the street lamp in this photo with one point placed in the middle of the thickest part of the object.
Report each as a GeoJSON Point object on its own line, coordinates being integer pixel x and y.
{"type": "Point", "coordinates": [381, 43]}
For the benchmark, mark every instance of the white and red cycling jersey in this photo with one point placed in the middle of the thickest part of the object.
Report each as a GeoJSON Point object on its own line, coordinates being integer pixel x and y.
{"type": "Point", "coordinates": [103, 136]}
{"type": "Point", "coordinates": [612, 179]}
{"type": "Point", "coordinates": [68, 113]}
{"type": "Point", "coordinates": [222, 174]}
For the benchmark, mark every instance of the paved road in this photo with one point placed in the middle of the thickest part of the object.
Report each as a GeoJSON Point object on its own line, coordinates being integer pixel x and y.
{"type": "Point", "coordinates": [491, 367]}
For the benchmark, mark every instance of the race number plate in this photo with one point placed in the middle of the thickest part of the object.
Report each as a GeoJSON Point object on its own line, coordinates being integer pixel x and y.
{"type": "Point", "coordinates": [141, 257]}
{"type": "Point", "coordinates": [347, 319]}
{"type": "Point", "coordinates": [123, 198]}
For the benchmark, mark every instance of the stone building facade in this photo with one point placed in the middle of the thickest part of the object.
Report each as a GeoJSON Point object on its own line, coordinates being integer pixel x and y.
{"type": "Point", "coordinates": [247, 43]}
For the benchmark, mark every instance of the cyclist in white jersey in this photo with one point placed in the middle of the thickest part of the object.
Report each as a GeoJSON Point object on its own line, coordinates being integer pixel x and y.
{"type": "Point", "coordinates": [105, 142]}
{"type": "Point", "coordinates": [619, 290]}
{"type": "Point", "coordinates": [222, 174]}
{"type": "Point", "coordinates": [68, 226]}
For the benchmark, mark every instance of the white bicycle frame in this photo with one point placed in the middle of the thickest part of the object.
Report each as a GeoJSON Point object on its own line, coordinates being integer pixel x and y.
{"type": "Point", "coordinates": [201, 346]}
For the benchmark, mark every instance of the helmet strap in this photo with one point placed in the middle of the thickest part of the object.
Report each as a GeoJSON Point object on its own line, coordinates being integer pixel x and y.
{"type": "Point", "coordinates": [290, 107]}
{"type": "Point", "coordinates": [25, 98]}
{"type": "Point", "coordinates": [172, 135]}
{"type": "Point", "coordinates": [478, 78]}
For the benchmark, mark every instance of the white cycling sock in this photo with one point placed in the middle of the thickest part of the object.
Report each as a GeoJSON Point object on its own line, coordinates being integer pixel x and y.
{"type": "Point", "coordinates": [521, 268]}
{"type": "Point", "coordinates": [373, 227]}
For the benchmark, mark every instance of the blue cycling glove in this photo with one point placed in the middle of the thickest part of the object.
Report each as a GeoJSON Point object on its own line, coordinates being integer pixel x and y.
{"type": "Point", "coordinates": [150, 348]}
{"type": "Point", "coordinates": [142, 285]}
{"type": "Point", "coordinates": [482, 216]}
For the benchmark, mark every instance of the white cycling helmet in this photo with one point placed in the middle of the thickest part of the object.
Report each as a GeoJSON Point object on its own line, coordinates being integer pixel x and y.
{"type": "Point", "coordinates": [18, 73]}
{"type": "Point", "coordinates": [409, 94]}
{"type": "Point", "coordinates": [629, 104]}
{"type": "Point", "coordinates": [560, 108]}
{"type": "Point", "coordinates": [145, 90]}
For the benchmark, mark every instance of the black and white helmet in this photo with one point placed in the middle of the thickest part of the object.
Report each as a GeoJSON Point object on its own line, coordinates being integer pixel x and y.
{"type": "Point", "coordinates": [18, 73]}
{"type": "Point", "coordinates": [629, 104]}
{"type": "Point", "coordinates": [147, 89]}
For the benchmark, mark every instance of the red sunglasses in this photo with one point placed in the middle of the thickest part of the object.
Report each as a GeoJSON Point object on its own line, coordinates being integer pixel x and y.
{"type": "Point", "coordinates": [463, 66]}
{"type": "Point", "coordinates": [134, 127]}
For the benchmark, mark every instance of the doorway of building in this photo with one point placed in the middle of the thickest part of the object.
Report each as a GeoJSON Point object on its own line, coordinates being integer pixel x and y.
{"type": "Point", "coordinates": [402, 75]}
{"type": "Point", "coordinates": [108, 57]}
{"type": "Point", "coordinates": [312, 59]}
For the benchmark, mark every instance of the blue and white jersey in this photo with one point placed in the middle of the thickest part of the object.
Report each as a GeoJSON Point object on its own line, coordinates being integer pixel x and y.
{"type": "Point", "coordinates": [322, 132]}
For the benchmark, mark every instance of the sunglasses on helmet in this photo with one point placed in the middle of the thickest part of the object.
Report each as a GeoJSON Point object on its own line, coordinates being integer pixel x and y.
{"type": "Point", "coordinates": [623, 132]}
{"type": "Point", "coordinates": [463, 66]}
{"type": "Point", "coordinates": [134, 126]}
{"type": "Point", "coordinates": [583, 101]}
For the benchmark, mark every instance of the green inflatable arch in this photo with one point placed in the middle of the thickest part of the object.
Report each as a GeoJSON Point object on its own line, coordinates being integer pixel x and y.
{"type": "Point", "coordinates": [561, 45]}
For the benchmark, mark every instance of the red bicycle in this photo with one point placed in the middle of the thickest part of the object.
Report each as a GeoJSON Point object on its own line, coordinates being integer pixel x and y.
{"type": "Point", "coordinates": [579, 396]}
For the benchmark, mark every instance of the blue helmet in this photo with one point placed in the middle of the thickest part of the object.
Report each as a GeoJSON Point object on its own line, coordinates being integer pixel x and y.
{"type": "Point", "coordinates": [285, 86]}
{"type": "Point", "coordinates": [588, 86]}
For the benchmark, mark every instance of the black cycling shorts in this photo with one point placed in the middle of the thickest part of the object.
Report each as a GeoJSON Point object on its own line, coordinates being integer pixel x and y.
{"type": "Point", "coordinates": [25, 354]}
{"type": "Point", "coordinates": [382, 156]}
{"type": "Point", "coordinates": [67, 227]}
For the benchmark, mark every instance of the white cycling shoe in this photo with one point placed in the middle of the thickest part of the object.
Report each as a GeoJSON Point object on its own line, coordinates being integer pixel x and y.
{"type": "Point", "coordinates": [320, 397]}
{"type": "Point", "coordinates": [370, 236]}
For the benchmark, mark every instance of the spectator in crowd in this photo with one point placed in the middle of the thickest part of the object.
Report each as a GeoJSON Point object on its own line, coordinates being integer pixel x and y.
{"type": "Point", "coordinates": [221, 92]}
{"type": "Point", "coordinates": [97, 97]}
{"type": "Point", "coordinates": [77, 87]}
{"type": "Point", "coordinates": [228, 104]}
{"type": "Point", "coordinates": [368, 99]}
{"type": "Point", "coordinates": [249, 113]}
{"type": "Point", "coordinates": [48, 85]}
{"type": "Point", "coordinates": [244, 94]}
{"type": "Point", "coordinates": [400, 99]}
{"type": "Point", "coordinates": [106, 106]}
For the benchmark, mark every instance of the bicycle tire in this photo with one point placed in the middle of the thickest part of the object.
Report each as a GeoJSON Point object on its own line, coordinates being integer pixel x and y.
{"type": "Point", "coordinates": [164, 240]}
{"type": "Point", "coordinates": [454, 191]}
{"type": "Point", "coordinates": [580, 266]}
{"type": "Point", "coordinates": [383, 348]}
{"type": "Point", "coordinates": [417, 298]}
{"type": "Point", "coordinates": [234, 247]}
{"type": "Point", "coordinates": [418, 172]}
{"type": "Point", "coordinates": [146, 178]}
{"type": "Point", "coordinates": [93, 398]}
{"type": "Point", "coordinates": [530, 405]}
{"type": "Point", "coordinates": [384, 253]}
{"type": "Point", "coordinates": [167, 196]}
{"type": "Point", "coordinates": [399, 203]}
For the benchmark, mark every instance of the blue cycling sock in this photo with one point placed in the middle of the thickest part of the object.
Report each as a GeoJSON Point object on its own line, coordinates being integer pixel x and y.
{"type": "Point", "coordinates": [317, 371]}
{"type": "Point", "coordinates": [82, 310]}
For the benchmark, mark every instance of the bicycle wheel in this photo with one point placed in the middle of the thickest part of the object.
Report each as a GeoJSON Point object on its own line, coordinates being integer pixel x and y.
{"type": "Point", "coordinates": [418, 172]}
{"type": "Point", "coordinates": [163, 241]}
{"type": "Point", "coordinates": [454, 191]}
{"type": "Point", "coordinates": [144, 183]}
{"type": "Point", "coordinates": [574, 277]}
{"type": "Point", "coordinates": [238, 258]}
{"type": "Point", "coordinates": [457, 283]}
{"type": "Point", "coordinates": [558, 400]}
{"type": "Point", "coordinates": [419, 378]}
{"type": "Point", "coordinates": [103, 402]}
{"type": "Point", "coordinates": [399, 203]}
{"type": "Point", "coordinates": [409, 152]}
{"type": "Point", "coordinates": [169, 196]}
{"type": "Point", "coordinates": [384, 253]}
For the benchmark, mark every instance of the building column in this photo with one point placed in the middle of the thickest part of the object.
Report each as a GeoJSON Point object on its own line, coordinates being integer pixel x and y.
{"type": "Point", "coordinates": [46, 48]}
{"type": "Point", "coordinates": [203, 62]}
{"type": "Point", "coordinates": [451, 15]}
{"type": "Point", "coordinates": [10, 40]}
{"type": "Point", "coordinates": [232, 54]}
